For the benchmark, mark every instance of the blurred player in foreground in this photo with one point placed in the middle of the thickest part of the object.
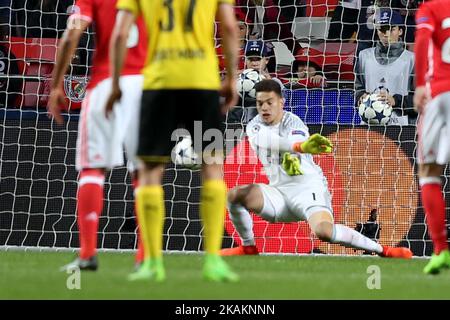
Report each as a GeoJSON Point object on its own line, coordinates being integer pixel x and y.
{"type": "Point", "coordinates": [297, 190]}
{"type": "Point", "coordinates": [432, 101]}
{"type": "Point", "coordinates": [100, 139]}
{"type": "Point", "coordinates": [181, 86]}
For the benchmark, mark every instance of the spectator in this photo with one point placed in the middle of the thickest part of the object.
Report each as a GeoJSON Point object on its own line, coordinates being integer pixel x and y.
{"type": "Point", "coordinates": [388, 69]}
{"type": "Point", "coordinates": [243, 37]}
{"type": "Point", "coordinates": [306, 72]}
{"type": "Point", "coordinates": [267, 22]}
{"type": "Point", "coordinates": [350, 17]}
{"type": "Point", "coordinates": [407, 9]}
{"type": "Point", "coordinates": [256, 57]}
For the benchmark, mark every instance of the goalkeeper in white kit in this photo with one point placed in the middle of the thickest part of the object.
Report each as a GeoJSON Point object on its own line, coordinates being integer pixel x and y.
{"type": "Point", "coordinates": [297, 189]}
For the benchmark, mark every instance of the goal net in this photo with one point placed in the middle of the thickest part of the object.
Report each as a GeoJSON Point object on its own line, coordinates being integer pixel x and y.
{"type": "Point", "coordinates": [372, 167]}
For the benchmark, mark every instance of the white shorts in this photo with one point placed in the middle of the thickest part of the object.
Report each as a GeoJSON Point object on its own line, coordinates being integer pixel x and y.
{"type": "Point", "coordinates": [101, 140]}
{"type": "Point", "coordinates": [434, 131]}
{"type": "Point", "coordinates": [292, 203]}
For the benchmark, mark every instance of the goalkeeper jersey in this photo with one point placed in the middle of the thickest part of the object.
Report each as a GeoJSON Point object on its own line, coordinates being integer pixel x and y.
{"type": "Point", "coordinates": [270, 142]}
{"type": "Point", "coordinates": [181, 53]}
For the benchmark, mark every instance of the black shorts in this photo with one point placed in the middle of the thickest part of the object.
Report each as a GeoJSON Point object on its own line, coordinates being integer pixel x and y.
{"type": "Point", "coordinates": [164, 111]}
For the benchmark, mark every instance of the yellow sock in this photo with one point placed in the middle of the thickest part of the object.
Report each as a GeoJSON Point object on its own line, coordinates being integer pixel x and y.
{"type": "Point", "coordinates": [151, 211]}
{"type": "Point", "coordinates": [212, 212]}
{"type": "Point", "coordinates": [142, 226]}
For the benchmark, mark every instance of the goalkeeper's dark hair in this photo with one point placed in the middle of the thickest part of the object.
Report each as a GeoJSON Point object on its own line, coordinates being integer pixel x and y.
{"type": "Point", "coordinates": [269, 85]}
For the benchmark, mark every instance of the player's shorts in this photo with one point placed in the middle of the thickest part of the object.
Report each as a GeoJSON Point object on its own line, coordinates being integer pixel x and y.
{"type": "Point", "coordinates": [292, 203]}
{"type": "Point", "coordinates": [101, 140]}
{"type": "Point", "coordinates": [434, 131]}
{"type": "Point", "coordinates": [164, 111]}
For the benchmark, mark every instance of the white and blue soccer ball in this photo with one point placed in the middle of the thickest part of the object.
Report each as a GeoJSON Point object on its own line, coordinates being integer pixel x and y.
{"type": "Point", "coordinates": [246, 83]}
{"type": "Point", "coordinates": [374, 111]}
{"type": "Point", "coordinates": [185, 156]}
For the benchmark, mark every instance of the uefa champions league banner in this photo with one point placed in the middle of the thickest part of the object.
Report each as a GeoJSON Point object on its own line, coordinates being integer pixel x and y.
{"type": "Point", "coordinates": [370, 168]}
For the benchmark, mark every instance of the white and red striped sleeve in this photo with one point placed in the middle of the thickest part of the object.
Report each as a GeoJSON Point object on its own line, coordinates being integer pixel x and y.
{"type": "Point", "coordinates": [425, 26]}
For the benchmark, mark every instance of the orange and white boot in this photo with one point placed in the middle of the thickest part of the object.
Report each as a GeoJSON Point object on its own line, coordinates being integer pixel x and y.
{"type": "Point", "coordinates": [397, 252]}
{"type": "Point", "coordinates": [240, 251]}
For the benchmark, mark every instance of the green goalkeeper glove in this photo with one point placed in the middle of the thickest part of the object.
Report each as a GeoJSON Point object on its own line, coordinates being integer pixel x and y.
{"type": "Point", "coordinates": [291, 164]}
{"type": "Point", "coordinates": [316, 144]}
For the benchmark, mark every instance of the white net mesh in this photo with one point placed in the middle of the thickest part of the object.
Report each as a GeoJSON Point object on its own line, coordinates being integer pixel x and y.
{"type": "Point", "coordinates": [372, 168]}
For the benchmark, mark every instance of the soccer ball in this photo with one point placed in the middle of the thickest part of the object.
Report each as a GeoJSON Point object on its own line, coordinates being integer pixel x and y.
{"type": "Point", "coordinates": [246, 83]}
{"type": "Point", "coordinates": [374, 111]}
{"type": "Point", "coordinates": [184, 154]}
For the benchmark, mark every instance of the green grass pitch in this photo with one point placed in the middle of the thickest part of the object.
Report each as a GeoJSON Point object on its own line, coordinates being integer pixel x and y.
{"type": "Point", "coordinates": [35, 275]}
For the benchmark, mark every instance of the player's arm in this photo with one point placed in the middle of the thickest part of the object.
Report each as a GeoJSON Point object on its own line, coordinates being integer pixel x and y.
{"type": "Point", "coordinates": [118, 52]}
{"type": "Point", "coordinates": [260, 136]}
{"type": "Point", "coordinates": [424, 31]}
{"type": "Point", "coordinates": [230, 44]}
{"type": "Point", "coordinates": [66, 49]}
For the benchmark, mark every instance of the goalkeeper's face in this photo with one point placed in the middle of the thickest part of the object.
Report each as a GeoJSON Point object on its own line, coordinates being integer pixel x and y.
{"type": "Point", "coordinates": [270, 107]}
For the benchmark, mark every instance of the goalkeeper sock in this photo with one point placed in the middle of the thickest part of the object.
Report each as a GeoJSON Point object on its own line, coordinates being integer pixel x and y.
{"type": "Point", "coordinates": [90, 206]}
{"type": "Point", "coordinates": [212, 212]}
{"type": "Point", "coordinates": [151, 211]}
{"type": "Point", "coordinates": [352, 238]}
{"type": "Point", "coordinates": [434, 205]}
{"type": "Point", "coordinates": [140, 249]}
{"type": "Point", "coordinates": [243, 223]}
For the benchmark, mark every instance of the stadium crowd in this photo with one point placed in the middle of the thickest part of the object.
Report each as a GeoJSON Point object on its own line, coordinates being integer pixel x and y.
{"type": "Point", "coordinates": [314, 64]}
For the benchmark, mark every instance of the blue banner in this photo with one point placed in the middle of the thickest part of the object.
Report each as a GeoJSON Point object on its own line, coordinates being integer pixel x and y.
{"type": "Point", "coordinates": [323, 106]}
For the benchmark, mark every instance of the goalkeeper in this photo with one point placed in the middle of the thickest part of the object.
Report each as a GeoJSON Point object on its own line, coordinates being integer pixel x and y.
{"type": "Point", "coordinates": [297, 189]}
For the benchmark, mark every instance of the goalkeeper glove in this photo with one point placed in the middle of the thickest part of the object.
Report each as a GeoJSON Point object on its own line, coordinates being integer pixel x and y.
{"type": "Point", "coordinates": [291, 164]}
{"type": "Point", "coordinates": [315, 144]}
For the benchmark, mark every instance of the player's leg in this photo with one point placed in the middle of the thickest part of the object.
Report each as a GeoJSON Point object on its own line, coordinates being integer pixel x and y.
{"type": "Point", "coordinates": [312, 203]}
{"type": "Point", "coordinates": [432, 153]}
{"type": "Point", "coordinates": [321, 223]}
{"type": "Point", "coordinates": [89, 209]}
{"type": "Point", "coordinates": [92, 157]}
{"type": "Point", "coordinates": [204, 119]}
{"type": "Point", "coordinates": [154, 149]}
{"type": "Point", "coordinates": [241, 200]}
{"type": "Point", "coordinates": [212, 210]}
{"type": "Point", "coordinates": [434, 206]}
{"type": "Point", "coordinates": [265, 201]}
{"type": "Point", "coordinates": [129, 110]}
{"type": "Point", "coordinates": [139, 257]}
{"type": "Point", "coordinates": [150, 211]}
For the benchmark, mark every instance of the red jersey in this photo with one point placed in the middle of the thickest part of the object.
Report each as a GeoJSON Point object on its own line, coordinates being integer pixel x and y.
{"type": "Point", "coordinates": [432, 46]}
{"type": "Point", "coordinates": [103, 14]}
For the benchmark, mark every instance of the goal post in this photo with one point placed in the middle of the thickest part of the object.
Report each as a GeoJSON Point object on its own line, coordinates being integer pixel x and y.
{"type": "Point", "coordinates": [372, 167]}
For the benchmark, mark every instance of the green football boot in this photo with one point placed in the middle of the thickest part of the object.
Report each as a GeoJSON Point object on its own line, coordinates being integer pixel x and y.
{"type": "Point", "coordinates": [438, 262]}
{"type": "Point", "coordinates": [149, 270]}
{"type": "Point", "coordinates": [216, 269]}
{"type": "Point", "coordinates": [158, 270]}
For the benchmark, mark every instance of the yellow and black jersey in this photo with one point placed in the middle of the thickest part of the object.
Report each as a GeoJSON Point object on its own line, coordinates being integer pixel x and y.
{"type": "Point", "coordinates": [181, 52]}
